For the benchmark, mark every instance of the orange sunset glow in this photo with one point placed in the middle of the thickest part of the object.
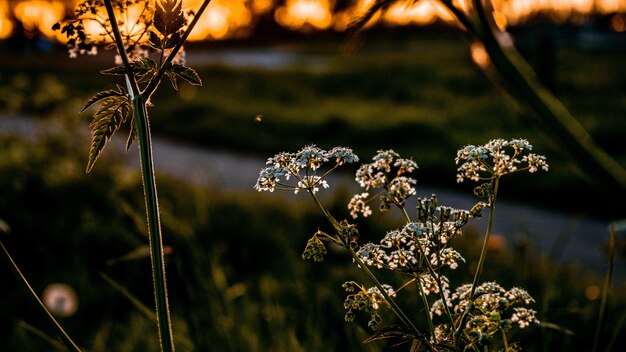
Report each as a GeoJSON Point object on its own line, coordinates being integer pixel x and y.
{"type": "Point", "coordinates": [227, 18]}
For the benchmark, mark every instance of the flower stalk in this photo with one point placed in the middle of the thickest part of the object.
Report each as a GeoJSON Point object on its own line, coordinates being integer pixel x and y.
{"type": "Point", "coordinates": [157, 256]}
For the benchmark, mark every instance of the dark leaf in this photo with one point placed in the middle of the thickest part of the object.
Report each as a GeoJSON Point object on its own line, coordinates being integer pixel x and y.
{"type": "Point", "coordinates": [102, 95]}
{"type": "Point", "coordinates": [154, 40]}
{"type": "Point", "coordinates": [173, 80]}
{"type": "Point", "coordinates": [395, 332]}
{"type": "Point", "coordinates": [188, 74]}
{"type": "Point", "coordinates": [117, 70]}
{"type": "Point", "coordinates": [168, 17]}
{"type": "Point", "coordinates": [172, 40]}
{"type": "Point", "coordinates": [143, 69]}
{"type": "Point", "coordinates": [113, 111]}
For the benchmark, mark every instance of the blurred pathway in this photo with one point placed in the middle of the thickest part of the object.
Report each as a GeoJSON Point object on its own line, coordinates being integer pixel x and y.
{"type": "Point", "coordinates": [563, 236]}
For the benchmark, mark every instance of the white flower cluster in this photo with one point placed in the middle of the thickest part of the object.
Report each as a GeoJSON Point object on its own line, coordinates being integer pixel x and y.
{"type": "Point", "coordinates": [303, 166]}
{"type": "Point", "coordinates": [490, 300]}
{"type": "Point", "coordinates": [497, 158]}
{"type": "Point", "coordinates": [385, 172]}
{"type": "Point", "coordinates": [403, 250]}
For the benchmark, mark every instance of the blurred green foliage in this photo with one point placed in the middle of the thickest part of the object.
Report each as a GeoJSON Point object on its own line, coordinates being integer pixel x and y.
{"type": "Point", "coordinates": [422, 97]}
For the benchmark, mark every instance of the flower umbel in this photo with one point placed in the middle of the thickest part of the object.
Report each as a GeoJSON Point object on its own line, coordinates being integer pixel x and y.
{"type": "Point", "coordinates": [497, 158]}
{"type": "Point", "coordinates": [303, 166]}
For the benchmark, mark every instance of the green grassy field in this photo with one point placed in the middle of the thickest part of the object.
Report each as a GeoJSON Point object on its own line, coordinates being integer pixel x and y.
{"type": "Point", "coordinates": [421, 96]}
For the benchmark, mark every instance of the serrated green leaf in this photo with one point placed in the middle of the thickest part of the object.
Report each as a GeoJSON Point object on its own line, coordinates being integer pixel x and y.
{"type": "Point", "coordinates": [187, 73]}
{"type": "Point", "coordinates": [112, 113]}
{"type": "Point", "coordinates": [101, 95]}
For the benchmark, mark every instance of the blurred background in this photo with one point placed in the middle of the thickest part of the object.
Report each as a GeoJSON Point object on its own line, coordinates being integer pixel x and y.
{"type": "Point", "coordinates": [278, 75]}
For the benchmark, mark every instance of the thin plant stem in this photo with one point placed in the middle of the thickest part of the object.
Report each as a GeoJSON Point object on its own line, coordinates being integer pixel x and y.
{"type": "Point", "coordinates": [481, 260]}
{"type": "Point", "coordinates": [435, 276]}
{"type": "Point", "coordinates": [605, 289]}
{"type": "Point", "coordinates": [483, 252]}
{"type": "Point", "coordinates": [164, 324]}
{"type": "Point", "coordinates": [426, 307]}
{"type": "Point", "coordinates": [67, 341]}
{"type": "Point", "coordinates": [505, 341]}
{"type": "Point", "coordinates": [394, 306]}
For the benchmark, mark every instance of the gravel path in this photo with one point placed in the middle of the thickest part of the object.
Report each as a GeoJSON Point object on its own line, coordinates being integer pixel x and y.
{"type": "Point", "coordinates": [566, 237]}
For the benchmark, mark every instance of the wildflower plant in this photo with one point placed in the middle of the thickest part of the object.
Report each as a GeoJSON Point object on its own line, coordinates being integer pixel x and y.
{"type": "Point", "coordinates": [471, 317]}
{"type": "Point", "coordinates": [148, 37]}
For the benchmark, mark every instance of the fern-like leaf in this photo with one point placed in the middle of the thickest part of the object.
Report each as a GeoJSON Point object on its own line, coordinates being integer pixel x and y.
{"type": "Point", "coordinates": [186, 73]}
{"type": "Point", "coordinates": [103, 95]}
{"type": "Point", "coordinates": [112, 113]}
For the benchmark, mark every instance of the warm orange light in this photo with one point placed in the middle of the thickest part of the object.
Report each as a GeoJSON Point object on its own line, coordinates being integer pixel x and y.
{"type": "Point", "coordinates": [618, 23]}
{"type": "Point", "coordinates": [500, 19]}
{"type": "Point", "coordinates": [305, 14]}
{"type": "Point", "coordinates": [480, 55]}
{"type": "Point", "coordinates": [129, 22]}
{"type": "Point", "coordinates": [404, 13]}
{"type": "Point", "coordinates": [220, 19]}
{"type": "Point", "coordinates": [39, 15]}
{"type": "Point", "coordinates": [225, 18]}
{"type": "Point", "coordinates": [6, 27]}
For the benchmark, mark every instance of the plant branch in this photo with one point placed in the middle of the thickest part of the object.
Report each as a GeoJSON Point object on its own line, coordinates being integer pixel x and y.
{"type": "Point", "coordinates": [154, 82]}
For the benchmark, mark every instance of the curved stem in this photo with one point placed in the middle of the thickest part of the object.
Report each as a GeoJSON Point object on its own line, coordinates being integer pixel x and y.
{"type": "Point", "coordinates": [394, 306]}
{"type": "Point", "coordinates": [525, 86]}
{"type": "Point", "coordinates": [67, 341]}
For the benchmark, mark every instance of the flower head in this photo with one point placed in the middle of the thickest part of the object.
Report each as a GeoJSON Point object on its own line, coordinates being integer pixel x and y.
{"type": "Point", "coordinates": [497, 158]}
{"type": "Point", "coordinates": [303, 167]}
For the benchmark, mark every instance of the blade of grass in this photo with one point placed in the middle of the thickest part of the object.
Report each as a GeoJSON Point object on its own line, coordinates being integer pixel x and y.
{"type": "Point", "coordinates": [67, 341]}
{"type": "Point", "coordinates": [131, 298]}
{"type": "Point", "coordinates": [605, 289]}
{"type": "Point", "coordinates": [42, 335]}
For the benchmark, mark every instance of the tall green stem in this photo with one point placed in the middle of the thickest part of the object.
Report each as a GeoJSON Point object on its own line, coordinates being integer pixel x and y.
{"type": "Point", "coordinates": [166, 336]}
